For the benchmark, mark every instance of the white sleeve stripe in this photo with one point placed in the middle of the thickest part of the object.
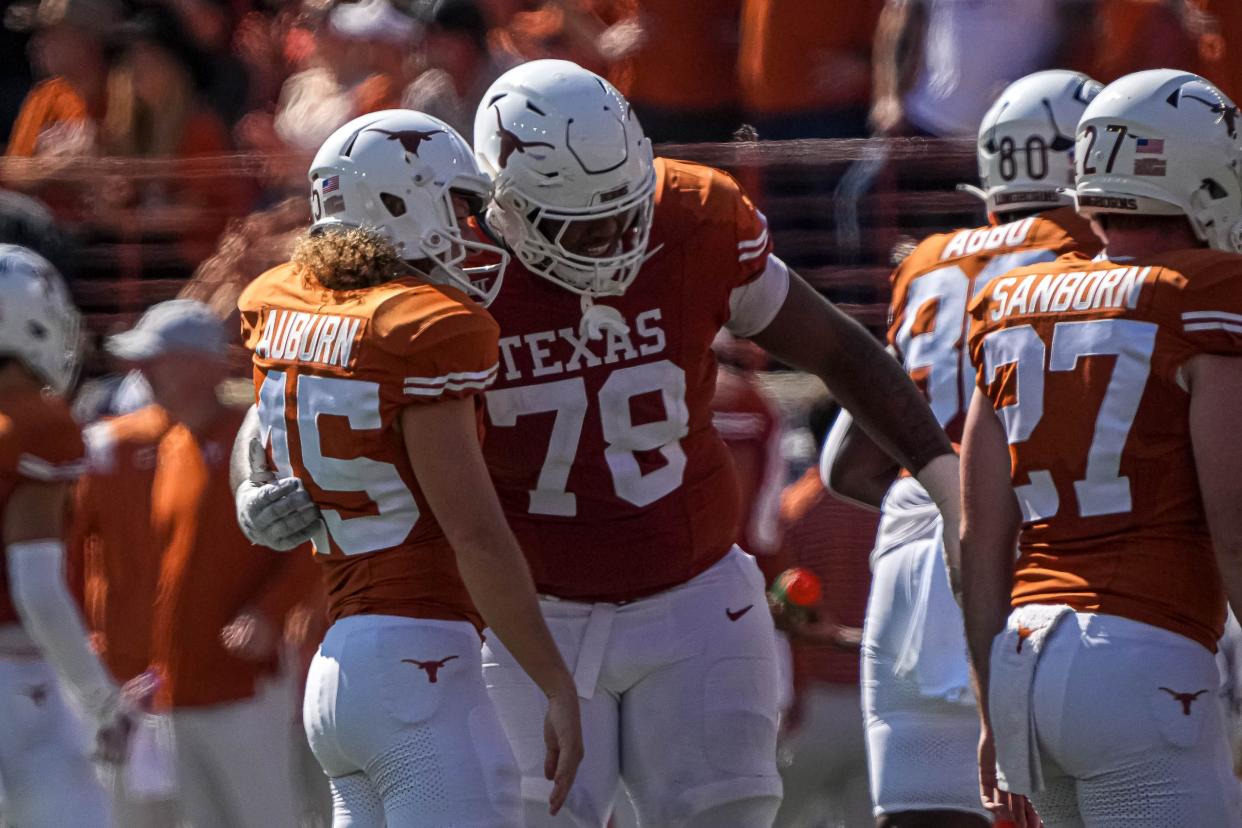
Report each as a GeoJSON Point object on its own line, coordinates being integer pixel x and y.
{"type": "Point", "coordinates": [746, 257]}
{"type": "Point", "coordinates": [1213, 326]}
{"type": "Point", "coordinates": [1232, 317]}
{"type": "Point", "coordinates": [36, 468]}
{"type": "Point", "coordinates": [452, 386]}
{"type": "Point", "coordinates": [758, 241]}
{"type": "Point", "coordinates": [455, 376]}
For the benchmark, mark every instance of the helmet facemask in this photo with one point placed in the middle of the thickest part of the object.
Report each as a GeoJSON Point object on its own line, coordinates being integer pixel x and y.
{"type": "Point", "coordinates": [550, 240]}
{"type": "Point", "coordinates": [574, 176]}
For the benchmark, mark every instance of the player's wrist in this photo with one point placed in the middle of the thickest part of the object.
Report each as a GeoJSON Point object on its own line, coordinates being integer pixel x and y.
{"type": "Point", "coordinates": [559, 685]}
{"type": "Point", "coordinates": [941, 478]}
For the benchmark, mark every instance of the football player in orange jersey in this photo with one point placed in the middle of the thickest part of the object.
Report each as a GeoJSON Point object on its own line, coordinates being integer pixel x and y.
{"type": "Point", "coordinates": [601, 448]}
{"type": "Point", "coordinates": [48, 779]}
{"type": "Point", "coordinates": [369, 358]}
{"type": "Point", "coordinates": [922, 725]}
{"type": "Point", "coordinates": [1101, 441]}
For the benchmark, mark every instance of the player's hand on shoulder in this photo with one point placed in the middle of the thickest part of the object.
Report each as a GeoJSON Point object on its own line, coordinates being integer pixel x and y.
{"type": "Point", "coordinates": [274, 512]}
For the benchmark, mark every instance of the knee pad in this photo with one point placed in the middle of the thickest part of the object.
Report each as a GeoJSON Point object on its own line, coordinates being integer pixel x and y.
{"type": "Point", "coordinates": [756, 812]}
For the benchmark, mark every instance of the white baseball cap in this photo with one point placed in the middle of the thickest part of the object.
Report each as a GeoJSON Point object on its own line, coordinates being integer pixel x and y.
{"type": "Point", "coordinates": [176, 326]}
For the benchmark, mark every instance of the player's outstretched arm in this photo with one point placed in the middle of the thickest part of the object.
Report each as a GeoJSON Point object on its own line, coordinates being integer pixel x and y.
{"type": "Point", "coordinates": [812, 334]}
{"type": "Point", "coordinates": [853, 467]}
{"type": "Point", "coordinates": [442, 442]}
{"type": "Point", "coordinates": [274, 512]}
{"type": "Point", "coordinates": [34, 518]}
{"type": "Point", "coordinates": [1215, 388]}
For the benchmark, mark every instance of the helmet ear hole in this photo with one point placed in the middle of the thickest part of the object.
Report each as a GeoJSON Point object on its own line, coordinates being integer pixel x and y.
{"type": "Point", "coordinates": [394, 204]}
{"type": "Point", "coordinates": [1214, 189]}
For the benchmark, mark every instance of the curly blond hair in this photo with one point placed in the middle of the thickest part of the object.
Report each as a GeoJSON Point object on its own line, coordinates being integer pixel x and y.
{"type": "Point", "coordinates": [349, 259]}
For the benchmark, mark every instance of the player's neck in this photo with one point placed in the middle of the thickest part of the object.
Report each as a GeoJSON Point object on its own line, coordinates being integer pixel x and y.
{"type": "Point", "coordinates": [1125, 243]}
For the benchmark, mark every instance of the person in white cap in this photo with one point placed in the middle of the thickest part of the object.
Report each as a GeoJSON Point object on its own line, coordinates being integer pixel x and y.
{"type": "Point", "coordinates": [220, 604]}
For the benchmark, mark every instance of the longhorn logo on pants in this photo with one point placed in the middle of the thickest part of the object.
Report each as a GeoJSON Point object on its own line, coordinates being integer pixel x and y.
{"type": "Point", "coordinates": [431, 668]}
{"type": "Point", "coordinates": [1186, 699]}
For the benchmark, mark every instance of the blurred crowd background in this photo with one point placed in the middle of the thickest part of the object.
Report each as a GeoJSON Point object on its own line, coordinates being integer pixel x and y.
{"type": "Point", "coordinates": [168, 139]}
{"type": "Point", "coordinates": [158, 148]}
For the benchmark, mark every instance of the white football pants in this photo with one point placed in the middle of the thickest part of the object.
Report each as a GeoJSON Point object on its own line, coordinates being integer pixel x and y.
{"type": "Point", "coordinates": [679, 701]}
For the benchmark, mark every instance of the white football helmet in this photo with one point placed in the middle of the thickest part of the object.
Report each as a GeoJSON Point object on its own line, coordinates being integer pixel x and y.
{"type": "Point", "coordinates": [564, 150]}
{"type": "Point", "coordinates": [39, 325]}
{"type": "Point", "coordinates": [1026, 140]}
{"type": "Point", "coordinates": [397, 172]}
{"type": "Point", "coordinates": [1164, 142]}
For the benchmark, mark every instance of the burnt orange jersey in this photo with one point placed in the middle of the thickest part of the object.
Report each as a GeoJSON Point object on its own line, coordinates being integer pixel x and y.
{"type": "Point", "coordinates": [603, 451]}
{"type": "Point", "coordinates": [1081, 361]}
{"type": "Point", "coordinates": [41, 443]}
{"type": "Point", "coordinates": [333, 371]}
{"type": "Point", "coordinates": [934, 284]}
{"type": "Point", "coordinates": [112, 539]}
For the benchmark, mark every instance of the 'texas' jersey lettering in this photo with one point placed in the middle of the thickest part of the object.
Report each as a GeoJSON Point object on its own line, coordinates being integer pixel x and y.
{"type": "Point", "coordinates": [569, 351]}
{"type": "Point", "coordinates": [603, 451]}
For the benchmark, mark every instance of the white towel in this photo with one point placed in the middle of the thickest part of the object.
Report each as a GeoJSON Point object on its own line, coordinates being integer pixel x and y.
{"type": "Point", "coordinates": [1015, 654]}
{"type": "Point", "coordinates": [933, 651]}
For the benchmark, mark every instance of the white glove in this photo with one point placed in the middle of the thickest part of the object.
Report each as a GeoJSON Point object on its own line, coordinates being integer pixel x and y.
{"type": "Point", "coordinates": [276, 513]}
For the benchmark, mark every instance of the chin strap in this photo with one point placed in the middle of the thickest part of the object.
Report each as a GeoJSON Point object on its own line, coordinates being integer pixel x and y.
{"type": "Point", "coordinates": [973, 190]}
{"type": "Point", "coordinates": [598, 318]}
